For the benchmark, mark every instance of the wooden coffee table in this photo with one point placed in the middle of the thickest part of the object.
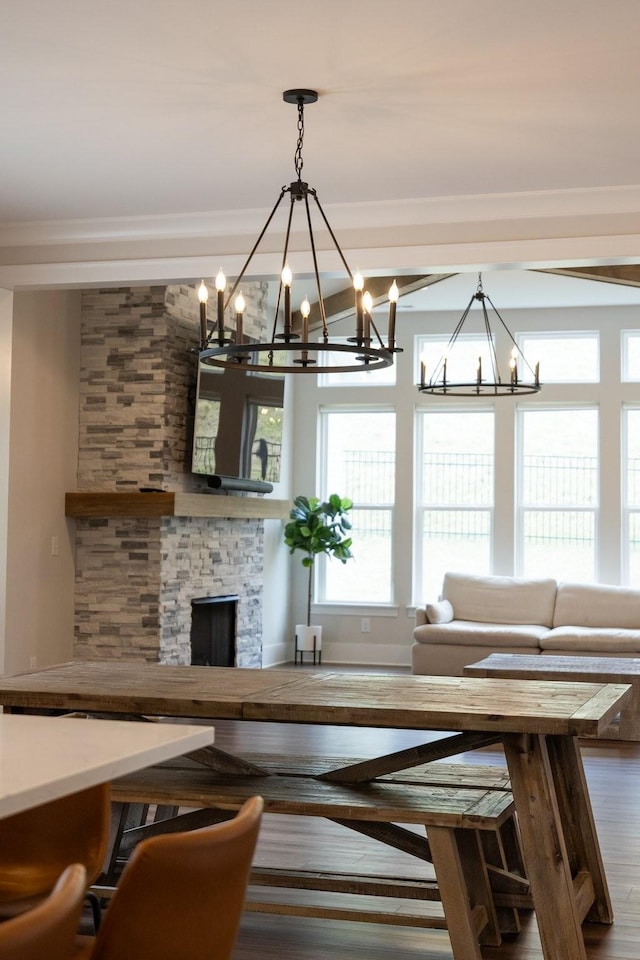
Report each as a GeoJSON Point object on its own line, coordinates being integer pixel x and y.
{"type": "Point", "coordinates": [515, 666]}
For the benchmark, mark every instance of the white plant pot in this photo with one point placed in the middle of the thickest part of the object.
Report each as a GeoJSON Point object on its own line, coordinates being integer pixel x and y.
{"type": "Point", "coordinates": [308, 640]}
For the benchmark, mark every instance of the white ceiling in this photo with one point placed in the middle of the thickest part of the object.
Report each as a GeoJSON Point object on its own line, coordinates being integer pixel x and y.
{"type": "Point", "coordinates": [139, 138]}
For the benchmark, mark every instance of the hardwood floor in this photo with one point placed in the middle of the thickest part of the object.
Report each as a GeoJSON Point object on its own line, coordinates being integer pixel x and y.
{"type": "Point", "coordinates": [613, 773]}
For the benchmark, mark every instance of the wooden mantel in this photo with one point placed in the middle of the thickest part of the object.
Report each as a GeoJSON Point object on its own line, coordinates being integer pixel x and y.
{"type": "Point", "coordinates": [96, 504]}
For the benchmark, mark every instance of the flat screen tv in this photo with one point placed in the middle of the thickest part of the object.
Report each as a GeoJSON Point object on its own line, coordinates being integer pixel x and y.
{"type": "Point", "coordinates": [237, 436]}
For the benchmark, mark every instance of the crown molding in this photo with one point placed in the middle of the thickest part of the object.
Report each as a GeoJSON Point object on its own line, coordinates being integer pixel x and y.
{"type": "Point", "coordinates": [379, 213]}
{"type": "Point", "coordinates": [543, 229]}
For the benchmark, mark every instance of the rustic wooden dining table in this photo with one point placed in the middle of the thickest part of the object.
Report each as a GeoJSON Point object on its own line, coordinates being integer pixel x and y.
{"type": "Point", "coordinates": [537, 722]}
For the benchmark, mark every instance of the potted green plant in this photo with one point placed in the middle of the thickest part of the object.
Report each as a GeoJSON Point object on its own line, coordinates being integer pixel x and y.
{"type": "Point", "coordinates": [317, 527]}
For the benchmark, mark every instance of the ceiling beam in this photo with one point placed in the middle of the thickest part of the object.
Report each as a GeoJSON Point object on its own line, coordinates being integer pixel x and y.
{"type": "Point", "coordinates": [342, 304]}
{"type": "Point", "coordinates": [627, 274]}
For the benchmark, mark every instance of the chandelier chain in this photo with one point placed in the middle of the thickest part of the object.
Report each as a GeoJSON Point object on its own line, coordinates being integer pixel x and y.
{"type": "Point", "coordinates": [297, 161]}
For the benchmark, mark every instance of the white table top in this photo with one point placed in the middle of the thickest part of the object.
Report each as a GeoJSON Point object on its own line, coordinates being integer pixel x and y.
{"type": "Point", "coordinates": [43, 758]}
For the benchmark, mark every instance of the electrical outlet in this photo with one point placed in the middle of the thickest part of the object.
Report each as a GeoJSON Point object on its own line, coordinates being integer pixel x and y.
{"type": "Point", "coordinates": [33, 663]}
{"type": "Point", "coordinates": [55, 547]}
{"type": "Point", "coordinates": [365, 626]}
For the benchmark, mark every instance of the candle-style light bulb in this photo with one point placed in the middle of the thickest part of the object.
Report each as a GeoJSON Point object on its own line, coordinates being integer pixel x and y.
{"type": "Point", "coordinates": [221, 284]}
{"type": "Point", "coordinates": [367, 306]}
{"type": "Point", "coordinates": [513, 365]}
{"type": "Point", "coordinates": [394, 293]}
{"type": "Point", "coordinates": [305, 310]}
{"type": "Point", "coordinates": [358, 286]}
{"type": "Point", "coordinates": [203, 296]}
{"type": "Point", "coordinates": [239, 305]}
{"type": "Point", "coordinates": [444, 367]}
{"type": "Point", "coordinates": [287, 277]}
{"type": "Point", "coordinates": [423, 367]}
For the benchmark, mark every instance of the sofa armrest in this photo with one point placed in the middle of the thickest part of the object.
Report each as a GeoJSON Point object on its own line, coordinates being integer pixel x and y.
{"type": "Point", "coordinates": [421, 616]}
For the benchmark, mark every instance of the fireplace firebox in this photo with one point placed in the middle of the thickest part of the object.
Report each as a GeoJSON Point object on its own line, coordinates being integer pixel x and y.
{"type": "Point", "coordinates": [213, 631]}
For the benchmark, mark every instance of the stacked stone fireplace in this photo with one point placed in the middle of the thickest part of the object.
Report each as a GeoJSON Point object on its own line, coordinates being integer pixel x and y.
{"type": "Point", "coordinates": [136, 576]}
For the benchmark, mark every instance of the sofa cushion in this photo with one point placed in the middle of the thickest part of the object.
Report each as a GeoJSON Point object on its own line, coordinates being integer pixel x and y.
{"type": "Point", "coordinates": [441, 612]}
{"type": "Point", "coordinates": [469, 632]}
{"type": "Point", "coordinates": [502, 600]}
{"type": "Point", "coordinates": [597, 605]}
{"type": "Point", "coordinates": [600, 640]}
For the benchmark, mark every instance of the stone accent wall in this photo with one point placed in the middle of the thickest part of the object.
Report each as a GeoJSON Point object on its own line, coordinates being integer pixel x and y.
{"type": "Point", "coordinates": [118, 578]}
{"type": "Point", "coordinates": [138, 372]}
{"type": "Point", "coordinates": [135, 579]}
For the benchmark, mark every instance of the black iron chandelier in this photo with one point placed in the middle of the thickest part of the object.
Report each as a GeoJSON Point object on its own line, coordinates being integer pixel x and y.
{"type": "Point", "coordinates": [522, 378]}
{"type": "Point", "coordinates": [290, 351]}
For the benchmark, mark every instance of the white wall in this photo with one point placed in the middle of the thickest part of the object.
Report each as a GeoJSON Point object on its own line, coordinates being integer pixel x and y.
{"type": "Point", "coordinates": [391, 625]}
{"type": "Point", "coordinates": [43, 444]}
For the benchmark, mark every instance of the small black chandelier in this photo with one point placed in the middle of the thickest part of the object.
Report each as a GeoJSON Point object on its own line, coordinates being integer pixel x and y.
{"type": "Point", "coordinates": [289, 351]}
{"type": "Point", "coordinates": [522, 378]}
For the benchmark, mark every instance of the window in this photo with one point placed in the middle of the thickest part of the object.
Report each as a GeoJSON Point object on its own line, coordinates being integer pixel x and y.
{"type": "Point", "coordinates": [546, 485]}
{"type": "Point", "coordinates": [563, 357]}
{"type": "Point", "coordinates": [455, 485]}
{"type": "Point", "coordinates": [631, 355]}
{"type": "Point", "coordinates": [358, 461]}
{"type": "Point", "coordinates": [631, 499]}
{"type": "Point", "coordinates": [557, 493]}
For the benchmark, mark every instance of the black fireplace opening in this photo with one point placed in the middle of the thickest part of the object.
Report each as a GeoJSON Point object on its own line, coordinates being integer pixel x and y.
{"type": "Point", "coordinates": [213, 631]}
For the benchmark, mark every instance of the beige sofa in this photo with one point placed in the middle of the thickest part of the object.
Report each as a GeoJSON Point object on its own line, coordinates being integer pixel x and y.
{"type": "Point", "coordinates": [476, 616]}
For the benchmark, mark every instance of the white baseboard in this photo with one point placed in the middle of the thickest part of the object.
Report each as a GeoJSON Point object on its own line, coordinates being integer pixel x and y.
{"type": "Point", "coordinates": [277, 654]}
{"type": "Point", "coordinates": [358, 654]}
{"type": "Point", "coordinates": [367, 654]}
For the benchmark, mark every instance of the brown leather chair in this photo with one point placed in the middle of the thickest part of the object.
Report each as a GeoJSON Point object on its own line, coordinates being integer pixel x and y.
{"type": "Point", "coordinates": [181, 895]}
{"type": "Point", "coordinates": [48, 931]}
{"type": "Point", "coordinates": [36, 846]}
